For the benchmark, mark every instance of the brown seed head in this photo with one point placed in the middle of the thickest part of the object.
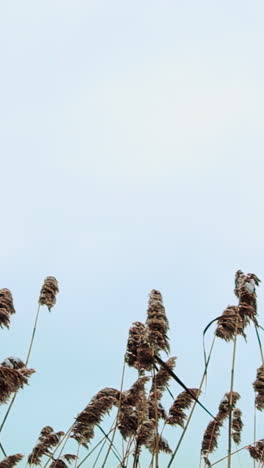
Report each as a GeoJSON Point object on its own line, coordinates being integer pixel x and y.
{"type": "Point", "coordinates": [230, 324]}
{"type": "Point", "coordinates": [11, 461]}
{"type": "Point", "coordinates": [257, 450]}
{"type": "Point", "coordinates": [259, 388]}
{"type": "Point", "coordinates": [6, 307]}
{"type": "Point", "coordinates": [47, 439]}
{"type": "Point", "coordinates": [134, 338]}
{"type": "Point", "coordinates": [183, 401]}
{"type": "Point", "coordinates": [157, 322]}
{"type": "Point", "coordinates": [48, 292]}
{"type": "Point", "coordinates": [237, 425]}
{"type": "Point", "coordinates": [12, 379]}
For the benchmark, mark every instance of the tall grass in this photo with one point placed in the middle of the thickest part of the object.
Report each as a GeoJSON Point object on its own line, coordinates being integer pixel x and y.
{"type": "Point", "coordinates": [139, 419]}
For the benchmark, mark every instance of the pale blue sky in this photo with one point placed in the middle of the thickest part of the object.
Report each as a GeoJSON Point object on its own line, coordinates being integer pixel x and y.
{"type": "Point", "coordinates": [131, 159]}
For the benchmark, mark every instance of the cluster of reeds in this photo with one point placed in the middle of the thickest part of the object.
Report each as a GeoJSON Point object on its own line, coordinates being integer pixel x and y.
{"type": "Point", "coordinates": [139, 412]}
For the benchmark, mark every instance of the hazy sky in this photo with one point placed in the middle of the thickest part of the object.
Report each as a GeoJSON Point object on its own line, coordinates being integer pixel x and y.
{"type": "Point", "coordinates": [131, 159]}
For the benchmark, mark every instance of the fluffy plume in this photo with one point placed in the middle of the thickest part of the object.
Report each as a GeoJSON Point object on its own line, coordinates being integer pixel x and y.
{"type": "Point", "coordinates": [230, 324]}
{"type": "Point", "coordinates": [127, 421]}
{"type": "Point", "coordinates": [134, 339]}
{"type": "Point", "coordinates": [145, 353]}
{"type": "Point", "coordinates": [6, 307]}
{"type": "Point", "coordinates": [237, 425]}
{"type": "Point", "coordinates": [212, 432]}
{"type": "Point", "coordinates": [245, 290]}
{"type": "Point", "coordinates": [13, 376]}
{"type": "Point", "coordinates": [210, 438]}
{"type": "Point", "coordinates": [162, 445]}
{"type": "Point", "coordinates": [257, 451]}
{"type": "Point", "coordinates": [11, 461]}
{"type": "Point", "coordinates": [48, 292]}
{"type": "Point", "coordinates": [230, 399]}
{"type": "Point", "coordinates": [259, 388]}
{"type": "Point", "coordinates": [99, 406]}
{"type": "Point", "coordinates": [61, 462]}
{"type": "Point", "coordinates": [47, 439]}
{"type": "Point", "coordinates": [157, 322]}
{"type": "Point", "coordinates": [183, 401]}
{"type": "Point", "coordinates": [162, 377]}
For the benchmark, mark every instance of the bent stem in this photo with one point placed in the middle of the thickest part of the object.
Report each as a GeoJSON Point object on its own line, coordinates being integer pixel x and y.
{"type": "Point", "coordinates": [194, 405]}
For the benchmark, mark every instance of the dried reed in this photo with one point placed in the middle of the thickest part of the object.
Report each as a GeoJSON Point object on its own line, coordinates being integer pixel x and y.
{"type": "Point", "coordinates": [259, 388]}
{"type": "Point", "coordinates": [11, 461]}
{"type": "Point", "coordinates": [47, 439]}
{"type": "Point", "coordinates": [6, 307]}
{"type": "Point", "coordinates": [48, 292]}
{"type": "Point", "coordinates": [257, 451]}
{"type": "Point", "coordinates": [12, 378]}
{"type": "Point", "coordinates": [237, 426]}
{"type": "Point", "coordinates": [157, 322]}
{"type": "Point", "coordinates": [183, 401]}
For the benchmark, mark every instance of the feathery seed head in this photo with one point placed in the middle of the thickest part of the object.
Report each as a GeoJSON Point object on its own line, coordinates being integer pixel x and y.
{"type": "Point", "coordinates": [6, 307]}
{"type": "Point", "coordinates": [48, 292]}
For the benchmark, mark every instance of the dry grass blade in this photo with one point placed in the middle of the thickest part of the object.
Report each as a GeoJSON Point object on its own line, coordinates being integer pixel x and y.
{"type": "Point", "coordinates": [48, 292]}
{"type": "Point", "coordinates": [6, 307]}
{"type": "Point", "coordinates": [11, 461]}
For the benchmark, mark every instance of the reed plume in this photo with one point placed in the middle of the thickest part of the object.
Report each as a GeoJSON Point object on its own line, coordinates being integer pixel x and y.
{"type": "Point", "coordinates": [48, 292]}
{"type": "Point", "coordinates": [61, 462]}
{"type": "Point", "coordinates": [259, 388]}
{"type": "Point", "coordinates": [237, 425]}
{"type": "Point", "coordinates": [157, 322]}
{"type": "Point", "coordinates": [212, 432]}
{"type": "Point", "coordinates": [183, 401]}
{"type": "Point", "coordinates": [99, 406]}
{"type": "Point", "coordinates": [133, 342]}
{"type": "Point", "coordinates": [6, 307]}
{"type": "Point", "coordinates": [47, 439]}
{"type": "Point", "coordinates": [257, 451]}
{"type": "Point", "coordinates": [11, 461]}
{"type": "Point", "coordinates": [230, 324]}
{"type": "Point", "coordinates": [245, 290]}
{"type": "Point", "coordinates": [13, 376]}
{"type": "Point", "coordinates": [161, 446]}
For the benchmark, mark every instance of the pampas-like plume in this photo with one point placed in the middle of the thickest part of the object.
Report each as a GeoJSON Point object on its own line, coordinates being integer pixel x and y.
{"type": "Point", "coordinates": [47, 439]}
{"type": "Point", "coordinates": [60, 462]}
{"type": "Point", "coordinates": [212, 432]}
{"type": "Point", "coordinates": [230, 324]}
{"type": "Point", "coordinates": [162, 377]}
{"type": "Point", "coordinates": [13, 376]}
{"type": "Point", "coordinates": [145, 353]}
{"type": "Point", "coordinates": [259, 388]}
{"type": "Point", "coordinates": [237, 426]}
{"type": "Point", "coordinates": [134, 338]}
{"type": "Point", "coordinates": [162, 445]}
{"type": "Point", "coordinates": [257, 451]}
{"type": "Point", "coordinates": [48, 292]}
{"type": "Point", "coordinates": [182, 402]}
{"type": "Point", "coordinates": [157, 322]}
{"type": "Point", "coordinates": [6, 307]}
{"type": "Point", "coordinates": [245, 290]}
{"type": "Point", "coordinates": [99, 406]}
{"type": "Point", "coordinates": [11, 461]}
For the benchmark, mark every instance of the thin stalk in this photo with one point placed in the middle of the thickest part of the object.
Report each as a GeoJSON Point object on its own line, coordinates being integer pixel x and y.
{"type": "Point", "coordinates": [112, 446]}
{"type": "Point", "coordinates": [255, 409]}
{"type": "Point", "coordinates": [230, 404]}
{"type": "Point", "coordinates": [233, 453]}
{"type": "Point", "coordinates": [118, 411]}
{"type": "Point", "coordinates": [95, 447]}
{"type": "Point", "coordinates": [156, 448]}
{"type": "Point", "coordinates": [26, 363]}
{"type": "Point", "coordinates": [77, 455]}
{"type": "Point", "coordinates": [194, 405]}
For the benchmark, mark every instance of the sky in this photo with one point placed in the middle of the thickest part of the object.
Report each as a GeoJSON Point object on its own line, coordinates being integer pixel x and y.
{"type": "Point", "coordinates": [131, 159]}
